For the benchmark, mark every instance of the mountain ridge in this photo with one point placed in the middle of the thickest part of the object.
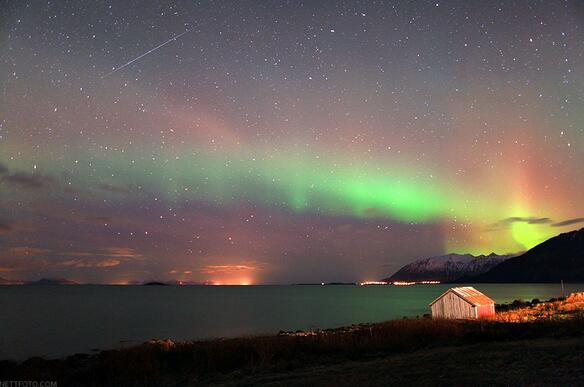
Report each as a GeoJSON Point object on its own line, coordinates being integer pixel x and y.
{"type": "Point", "coordinates": [560, 258]}
{"type": "Point", "coordinates": [448, 267]}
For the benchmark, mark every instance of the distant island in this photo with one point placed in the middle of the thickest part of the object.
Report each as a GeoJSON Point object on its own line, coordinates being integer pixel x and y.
{"type": "Point", "coordinates": [4, 281]}
{"type": "Point", "coordinates": [64, 281]}
{"type": "Point", "coordinates": [42, 281]}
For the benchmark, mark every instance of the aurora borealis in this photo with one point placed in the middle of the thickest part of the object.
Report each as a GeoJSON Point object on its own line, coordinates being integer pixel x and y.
{"type": "Point", "coordinates": [277, 142]}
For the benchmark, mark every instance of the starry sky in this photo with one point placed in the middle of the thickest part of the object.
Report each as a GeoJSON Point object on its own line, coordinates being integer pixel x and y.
{"type": "Point", "coordinates": [252, 142]}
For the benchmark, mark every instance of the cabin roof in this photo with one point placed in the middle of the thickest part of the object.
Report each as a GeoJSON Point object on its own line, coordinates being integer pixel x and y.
{"type": "Point", "coordinates": [469, 294]}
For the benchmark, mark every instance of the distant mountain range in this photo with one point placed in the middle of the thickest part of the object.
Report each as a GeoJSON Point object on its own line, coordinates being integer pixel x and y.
{"type": "Point", "coordinates": [4, 281]}
{"type": "Point", "coordinates": [53, 281]}
{"type": "Point", "coordinates": [558, 258]}
{"type": "Point", "coordinates": [448, 267]}
{"type": "Point", "coordinates": [42, 281]}
{"type": "Point", "coordinates": [64, 281]}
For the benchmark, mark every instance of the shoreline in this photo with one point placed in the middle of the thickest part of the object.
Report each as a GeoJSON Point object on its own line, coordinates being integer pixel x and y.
{"type": "Point", "coordinates": [164, 362]}
{"type": "Point", "coordinates": [338, 306]}
{"type": "Point", "coordinates": [23, 283]}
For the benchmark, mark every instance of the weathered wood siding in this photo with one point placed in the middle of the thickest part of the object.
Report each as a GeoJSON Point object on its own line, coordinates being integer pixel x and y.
{"type": "Point", "coordinates": [485, 311]}
{"type": "Point", "coordinates": [452, 306]}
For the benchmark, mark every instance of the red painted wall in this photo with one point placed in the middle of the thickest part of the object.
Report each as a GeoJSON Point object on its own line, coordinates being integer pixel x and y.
{"type": "Point", "coordinates": [485, 311]}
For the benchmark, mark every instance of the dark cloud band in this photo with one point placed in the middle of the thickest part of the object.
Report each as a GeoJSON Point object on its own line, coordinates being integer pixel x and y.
{"type": "Point", "coordinates": [568, 222]}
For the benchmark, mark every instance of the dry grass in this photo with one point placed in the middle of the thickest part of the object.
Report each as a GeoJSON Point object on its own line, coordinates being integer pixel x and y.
{"type": "Point", "coordinates": [536, 311]}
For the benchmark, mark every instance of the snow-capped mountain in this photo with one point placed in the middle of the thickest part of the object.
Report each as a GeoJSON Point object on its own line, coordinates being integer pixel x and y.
{"type": "Point", "coordinates": [447, 267]}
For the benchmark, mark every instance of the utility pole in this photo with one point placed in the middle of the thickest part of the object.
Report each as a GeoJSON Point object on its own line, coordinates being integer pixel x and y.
{"type": "Point", "coordinates": [563, 294]}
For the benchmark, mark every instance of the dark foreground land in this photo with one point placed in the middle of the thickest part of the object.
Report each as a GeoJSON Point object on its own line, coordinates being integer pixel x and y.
{"type": "Point", "coordinates": [539, 344]}
{"type": "Point", "coordinates": [557, 361]}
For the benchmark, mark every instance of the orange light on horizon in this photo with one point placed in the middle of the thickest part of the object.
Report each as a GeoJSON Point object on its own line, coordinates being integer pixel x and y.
{"type": "Point", "coordinates": [241, 273]}
{"type": "Point", "coordinates": [119, 282]}
{"type": "Point", "coordinates": [400, 283]}
{"type": "Point", "coordinates": [373, 283]}
{"type": "Point", "coordinates": [229, 282]}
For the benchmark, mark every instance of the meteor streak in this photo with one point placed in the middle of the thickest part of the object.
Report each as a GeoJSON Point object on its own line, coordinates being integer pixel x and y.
{"type": "Point", "coordinates": [146, 53]}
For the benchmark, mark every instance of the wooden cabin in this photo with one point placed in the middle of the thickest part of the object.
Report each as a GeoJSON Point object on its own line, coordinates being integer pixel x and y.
{"type": "Point", "coordinates": [462, 303]}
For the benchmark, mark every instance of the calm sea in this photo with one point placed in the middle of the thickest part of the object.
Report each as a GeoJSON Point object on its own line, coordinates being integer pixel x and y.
{"type": "Point", "coordinates": [55, 321]}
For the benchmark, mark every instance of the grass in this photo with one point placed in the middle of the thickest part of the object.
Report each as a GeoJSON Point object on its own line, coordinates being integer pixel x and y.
{"type": "Point", "coordinates": [536, 362]}
{"type": "Point", "coordinates": [521, 311]}
{"type": "Point", "coordinates": [207, 362]}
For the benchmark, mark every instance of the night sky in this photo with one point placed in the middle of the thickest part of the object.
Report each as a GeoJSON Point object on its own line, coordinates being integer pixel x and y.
{"type": "Point", "coordinates": [277, 142]}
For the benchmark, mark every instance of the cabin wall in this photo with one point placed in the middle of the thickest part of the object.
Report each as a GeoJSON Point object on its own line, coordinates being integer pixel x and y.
{"type": "Point", "coordinates": [484, 311]}
{"type": "Point", "coordinates": [452, 306]}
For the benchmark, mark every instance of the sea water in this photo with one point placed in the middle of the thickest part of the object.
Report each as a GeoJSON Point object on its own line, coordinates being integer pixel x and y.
{"type": "Point", "coordinates": [55, 321]}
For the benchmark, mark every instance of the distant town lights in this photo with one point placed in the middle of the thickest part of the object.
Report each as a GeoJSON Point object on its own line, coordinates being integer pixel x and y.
{"type": "Point", "coordinates": [400, 283]}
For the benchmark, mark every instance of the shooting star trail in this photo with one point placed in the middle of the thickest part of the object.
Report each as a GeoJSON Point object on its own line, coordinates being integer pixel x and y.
{"type": "Point", "coordinates": [146, 53]}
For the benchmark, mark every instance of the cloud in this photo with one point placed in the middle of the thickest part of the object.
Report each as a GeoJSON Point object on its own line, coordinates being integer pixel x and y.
{"type": "Point", "coordinates": [568, 222]}
{"type": "Point", "coordinates": [87, 263]}
{"type": "Point", "coordinates": [507, 222]}
{"type": "Point", "coordinates": [23, 258]}
{"type": "Point", "coordinates": [110, 252]}
{"type": "Point", "coordinates": [5, 227]}
{"type": "Point", "coordinates": [28, 250]}
{"type": "Point", "coordinates": [108, 257]}
{"type": "Point", "coordinates": [27, 258]}
{"type": "Point", "coordinates": [108, 263]}
{"type": "Point", "coordinates": [27, 181]}
{"type": "Point", "coordinates": [225, 269]}
{"type": "Point", "coordinates": [121, 252]}
{"type": "Point", "coordinates": [22, 263]}
{"type": "Point", "coordinates": [529, 220]}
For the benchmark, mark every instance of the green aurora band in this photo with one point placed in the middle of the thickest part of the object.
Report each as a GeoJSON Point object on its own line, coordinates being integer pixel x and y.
{"type": "Point", "coordinates": [298, 184]}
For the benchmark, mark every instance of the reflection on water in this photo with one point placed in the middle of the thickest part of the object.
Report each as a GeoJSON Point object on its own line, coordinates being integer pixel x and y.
{"type": "Point", "coordinates": [61, 320]}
